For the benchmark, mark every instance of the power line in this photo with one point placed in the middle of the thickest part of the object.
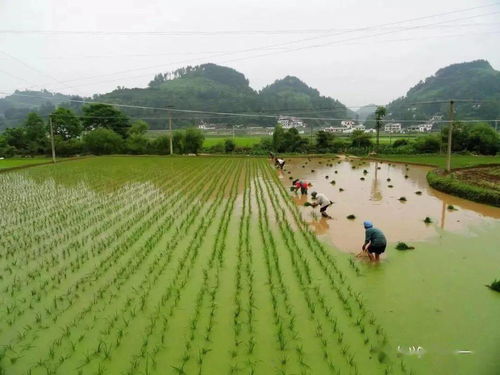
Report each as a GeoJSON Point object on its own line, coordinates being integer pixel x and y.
{"type": "Point", "coordinates": [251, 115]}
{"type": "Point", "coordinates": [297, 41]}
{"type": "Point", "coordinates": [206, 32]}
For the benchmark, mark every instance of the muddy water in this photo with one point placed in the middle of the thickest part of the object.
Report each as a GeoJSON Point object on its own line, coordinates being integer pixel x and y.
{"type": "Point", "coordinates": [376, 198]}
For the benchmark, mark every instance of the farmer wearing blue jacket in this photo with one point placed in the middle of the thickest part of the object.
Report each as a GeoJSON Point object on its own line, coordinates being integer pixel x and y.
{"type": "Point", "coordinates": [375, 241]}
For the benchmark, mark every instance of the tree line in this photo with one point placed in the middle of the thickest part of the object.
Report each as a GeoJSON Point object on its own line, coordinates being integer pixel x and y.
{"type": "Point", "coordinates": [101, 129]}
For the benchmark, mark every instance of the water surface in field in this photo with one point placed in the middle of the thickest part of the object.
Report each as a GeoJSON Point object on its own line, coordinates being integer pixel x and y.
{"type": "Point", "coordinates": [432, 300]}
{"type": "Point", "coordinates": [372, 191]}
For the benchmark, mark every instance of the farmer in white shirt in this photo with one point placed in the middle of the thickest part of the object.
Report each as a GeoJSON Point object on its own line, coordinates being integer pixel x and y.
{"type": "Point", "coordinates": [322, 201]}
{"type": "Point", "coordinates": [280, 163]}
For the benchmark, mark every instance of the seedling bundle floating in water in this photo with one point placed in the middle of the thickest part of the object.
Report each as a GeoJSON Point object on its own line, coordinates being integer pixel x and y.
{"type": "Point", "coordinates": [495, 285]}
{"type": "Point", "coordinates": [404, 246]}
{"type": "Point", "coordinates": [427, 220]}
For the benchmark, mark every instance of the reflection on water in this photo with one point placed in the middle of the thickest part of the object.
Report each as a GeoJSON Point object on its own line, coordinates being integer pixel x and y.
{"type": "Point", "coordinates": [376, 197]}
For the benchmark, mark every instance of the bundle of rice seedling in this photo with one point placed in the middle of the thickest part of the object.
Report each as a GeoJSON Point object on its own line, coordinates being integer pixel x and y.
{"type": "Point", "coordinates": [495, 285]}
{"type": "Point", "coordinates": [418, 192]}
{"type": "Point", "coordinates": [403, 246]}
{"type": "Point", "coordinates": [427, 220]}
{"type": "Point", "coordinates": [351, 217]}
{"type": "Point", "coordinates": [307, 204]}
{"type": "Point", "coordinates": [402, 199]}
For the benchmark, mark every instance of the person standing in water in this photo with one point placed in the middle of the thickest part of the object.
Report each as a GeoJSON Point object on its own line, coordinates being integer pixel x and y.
{"type": "Point", "coordinates": [375, 241]}
{"type": "Point", "coordinates": [300, 185]}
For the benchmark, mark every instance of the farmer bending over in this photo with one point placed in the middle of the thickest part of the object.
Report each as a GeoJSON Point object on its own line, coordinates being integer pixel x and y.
{"type": "Point", "coordinates": [280, 163]}
{"type": "Point", "coordinates": [302, 185]}
{"type": "Point", "coordinates": [375, 241]}
{"type": "Point", "coordinates": [323, 202]}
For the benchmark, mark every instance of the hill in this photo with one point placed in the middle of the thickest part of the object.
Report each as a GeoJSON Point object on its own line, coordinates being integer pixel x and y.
{"type": "Point", "coordinates": [291, 96]}
{"type": "Point", "coordinates": [207, 87]}
{"type": "Point", "coordinates": [14, 108]}
{"type": "Point", "coordinates": [470, 80]}
{"type": "Point", "coordinates": [366, 111]}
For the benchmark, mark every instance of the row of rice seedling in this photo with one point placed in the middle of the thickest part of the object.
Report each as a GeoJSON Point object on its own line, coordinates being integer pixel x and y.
{"type": "Point", "coordinates": [174, 266]}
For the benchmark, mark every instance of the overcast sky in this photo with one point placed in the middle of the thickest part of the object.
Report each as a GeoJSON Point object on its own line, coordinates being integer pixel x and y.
{"type": "Point", "coordinates": [357, 51]}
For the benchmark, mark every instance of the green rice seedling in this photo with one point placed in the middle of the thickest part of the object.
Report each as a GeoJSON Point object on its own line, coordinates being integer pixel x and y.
{"type": "Point", "coordinates": [307, 204]}
{"type": "Point", "coordinates": [427, 220]}
{"type": "Point", "coordinates": [403, 246]}
{"type": "Point", "coordinates": [495, 285]}
{"type": "Point", "coordinates": [351, 217]}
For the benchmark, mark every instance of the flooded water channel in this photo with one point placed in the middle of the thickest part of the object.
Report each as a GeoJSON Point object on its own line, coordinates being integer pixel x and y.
{"type": "Point", "coordinates": [373, 191]}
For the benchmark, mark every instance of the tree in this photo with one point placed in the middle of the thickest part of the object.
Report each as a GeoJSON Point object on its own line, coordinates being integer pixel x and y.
{"type": "Point", "coordinates": [139, 127]}
{"type": "Point", "coordinates": [229, 145]}
{"type": "Point", "coordinates": [66, 124]}
{"type": "Point", "coordinates": [6, 150]}
{"type": "Point", "coordinates": [278, 138]}
{"type": "Point", "coordinates": [379, 114]}
{"type": "Point", "coordinates": [293, 142]}
{"type": "Point", "coordinates": [483, 139]}
{"type": "Point", "coordinates": [324, 140]}
{"type": "Point", "coordinates": [178, 142]}
{"type": "Point", "coordinates": [102, 141]}
{"type": "Point", "coordinates": [105, 116]}
{"type": "Point", "coordinates": [16, 137]}
{"type": "Point", "coordinates": [193, 141]}
{"type": "Point", "coordinates": [459, 136]}
{"type": "Point", "coordinates": [360, 139]}
{"type": "Point", "coordinates": [36, 134]}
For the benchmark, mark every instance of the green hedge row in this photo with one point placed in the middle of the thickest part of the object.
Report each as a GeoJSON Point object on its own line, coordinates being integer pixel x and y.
{"type": "Point", "coordinates": [449, 184]}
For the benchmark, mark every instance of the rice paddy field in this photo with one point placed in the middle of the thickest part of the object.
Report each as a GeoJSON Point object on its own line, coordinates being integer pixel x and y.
{"type": "Point", "coordinates": [206, 265]}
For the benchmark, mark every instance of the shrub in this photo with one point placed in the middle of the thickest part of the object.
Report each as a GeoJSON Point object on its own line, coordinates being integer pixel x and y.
{"type": "Point", "coordinates": [449, 184]}
{"type": "Point", "coordinates": [217, 148]}
{"type": "Point", "coordinates": [399, 142]}
{"type": "Point", "coordinates": [427, 144]}
{"type": "Point", "coordinates": [161, 145]}
{"type": "Point", "coordinates": [68, 147]}
{"type": "Point", "coordinates": [229, 145]}
{"type": "Point", "coordinates": [102, 141]}
{"type": "Point", "coordinates": [137, 144]}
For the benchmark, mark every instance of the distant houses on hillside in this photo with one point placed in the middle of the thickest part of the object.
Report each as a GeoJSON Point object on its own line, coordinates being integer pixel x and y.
{"type": "Point", "coordinates": [288, 122]}
{"type": "Point", "coordinates": [347, 126]}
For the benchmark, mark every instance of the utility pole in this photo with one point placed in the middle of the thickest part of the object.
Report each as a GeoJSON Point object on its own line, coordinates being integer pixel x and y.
{"type": "Point", "coordinates": [450, 132]}
{"type": "Point", "coordinates": [52, 139]}
{"type": "Point", "coordinates": [170, 132]}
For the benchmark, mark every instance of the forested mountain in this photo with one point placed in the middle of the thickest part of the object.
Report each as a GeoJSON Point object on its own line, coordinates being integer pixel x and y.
{"type": "Point", "coordinates": [471, 80]}
{"type": "Point", "coordinates": [293, 97]}
{"type": "Point", "coordinates": [214, 88]}
{"type": "Point", "coordinates": [366, 111]}
{"type": "Point", "coordinates": [14, 108]}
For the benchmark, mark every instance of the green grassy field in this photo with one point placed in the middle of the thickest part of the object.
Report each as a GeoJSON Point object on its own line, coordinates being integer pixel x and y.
{"type": "Point", "coordinates": [240, 141]}
{"type": "Point", "coordinates": [118, 265]}
{"type": "Point", "coordinates": [19, 162]}
{"type": "Point", "coordinates": [457, 161]}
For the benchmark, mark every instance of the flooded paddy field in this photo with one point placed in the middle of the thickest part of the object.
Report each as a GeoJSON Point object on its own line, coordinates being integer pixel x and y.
{"type": "Point", "coordinates": [433, 297]}
{"type": "Point", "coordinates": [159, 265]}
